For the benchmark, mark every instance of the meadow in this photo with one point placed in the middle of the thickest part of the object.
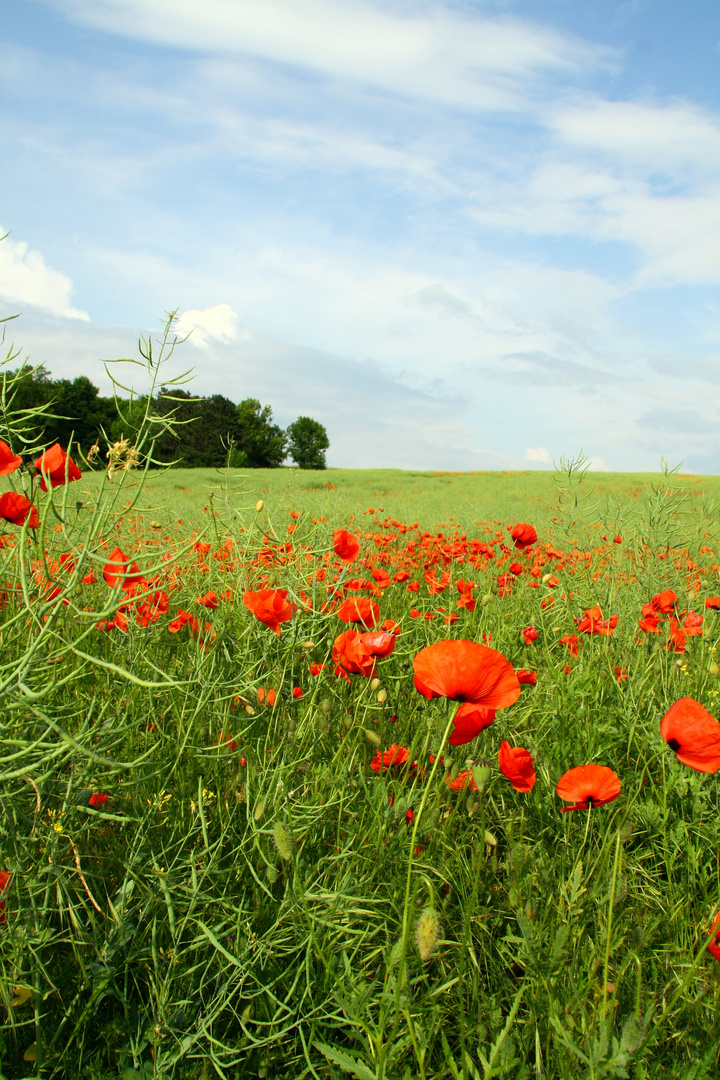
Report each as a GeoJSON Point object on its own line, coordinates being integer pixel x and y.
{"type": "Point", "coordinates": [258, 820]}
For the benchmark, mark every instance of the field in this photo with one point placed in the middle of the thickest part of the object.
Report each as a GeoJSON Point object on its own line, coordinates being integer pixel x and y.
{"type": "Point", "coordinates": [246, 832]}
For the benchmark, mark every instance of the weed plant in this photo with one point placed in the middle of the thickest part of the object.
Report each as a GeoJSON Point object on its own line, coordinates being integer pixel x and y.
{"type": "Point", "coordinates": [207, 869]}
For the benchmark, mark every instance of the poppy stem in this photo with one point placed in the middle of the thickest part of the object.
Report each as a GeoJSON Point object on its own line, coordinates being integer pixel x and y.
{"type": "Point", "coordinates": [402, 974]}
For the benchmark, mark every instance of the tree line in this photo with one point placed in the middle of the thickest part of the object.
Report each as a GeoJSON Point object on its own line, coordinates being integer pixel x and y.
{"type": "Point", "coordinates": [213, 431]}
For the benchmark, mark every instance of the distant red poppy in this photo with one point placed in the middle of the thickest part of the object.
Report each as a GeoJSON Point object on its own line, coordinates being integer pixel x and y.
{"type": "Point", "coordinates": [394, 755]}
{"type": "Point", "coordinates": [15, 509]}
{"type": "Point", "coordinates": [588, 786]}
{"type": "Point", "coordinates": [345, 545]}
{"type": "Point", "coordinates": [209, 600]}
{"type": "Point", "coordinates": [523, 535]}
{"type": "Point", "coordinates": [530, 634]}
{"type": "Point", "coordinates": [464, 781]}
{"type": "Point", "coordinates": [118, 571]}
{"type": "Point", "coordinates": [593, 622]}
{"type": "Point", "coordinates": [516, 765]}
{"type": "Point", "coordinates": [693, 734]}
{"type": "Point", "coordinates": [621, 674]}
{"type": "Point", "coordinates": [466, 671]}
{"type": "Point", "coordinates": [270, 606]}
{"type": "Point", "coordinates": [712, 602]}
{"type": "Point", "coordinates": [529, 678]}
{"type": "Point", "coordinates": [9, 462]}
{"type": "Point", "coordinates": [5, 878]}
{"type": "Point", "coordinates": [572, 642]}
{"type": "Point", "coordinates": [359, 609]}
{"type": "Point", "coordinates": [97, 800]}
{"type": "Point", "coordinates": [57, 467]}
{"type": "Point", "coordinates": [470, 720]}
{"type": "Point", "coordinates": [270, 696]}
{"type": "Point", "coordinates": [651, 622]}
{"type": "Point", "coordinates": [714, 946]}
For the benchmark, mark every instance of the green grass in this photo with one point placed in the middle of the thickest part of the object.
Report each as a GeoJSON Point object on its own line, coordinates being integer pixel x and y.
{"type": "Point", "coordinates": [245, 902]}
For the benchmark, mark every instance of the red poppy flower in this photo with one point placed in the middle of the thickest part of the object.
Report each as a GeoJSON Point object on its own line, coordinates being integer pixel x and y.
{"type": "Point", "coordinates": [712, 602]}
{"type": "Point", "coordinates": [209, 600]}
{"type": "Point", "coordinates": [714, 946]}
{"type": "Point", "coordinates": [359, 609]}
{"type": "Point", "coordinates": [9, 462]}
{"type": "Point", "coordinates": [693, 734]}
{"type": "Point", "coordinates": [621, 674]}
{"type": "Point", "coordinates": [466, 671]}
{"type": "Point", "coordinates": [572, 642]}
{"type": "Point", "coordinates": [464, 781]}
{"type": "Point", "coordinates": [345, 545]}
{"type": "Point", "coordinates": [270, 606]}
{"type": "Point", "coordinates": [394, 755]}
{"type": "Point", "coordinates": [516, 765]}
{"type": "Point", "coordinates": [664, 602]}
{"type": "Point", "coordinates": [523, 535]}
{"type": "Point", "coordinates": [97, 800]}
{"type": "Point", "coordinates": [650, 622]}
{"type": "Point", "coordinates": [5, 876]}
{"type": "Point", "coordinates": [470, 720]}
{"type": "Point", "coordinates": [355, 653]}
{"type": "Point", "coordinates": [593, 622]}
{"type": "Point", "coordinates": [119, 571]}
{"type": "Point", "coordinates": [588, 786]}
{"type": "Point", "coordinates": [270, 696]}
{"type": "Point", "coordinates": [57, 467]}
{"type": "Point", "coordinates": [15, 509]}
{"type": "Point", "coordinates": [530, 634]}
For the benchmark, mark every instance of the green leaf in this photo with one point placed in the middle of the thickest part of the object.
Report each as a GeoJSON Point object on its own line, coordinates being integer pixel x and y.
{"type": "Point", "coordinates": [350, 1065]}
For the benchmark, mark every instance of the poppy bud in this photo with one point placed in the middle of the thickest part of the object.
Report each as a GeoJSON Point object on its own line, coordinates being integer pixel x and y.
{"type": "Point", "coordinates": [325, 706]}
{"type": "Point", "coordinates": [375, 684]}
{"type": "Point", "coordinates": [283, 841]}
{"type": "Point", "coordinates": [271, 874]}
{"type": "Point", "coordinates": [382, 696]}
{"type": "Point", "coordinates": [259, 809]}
{"type": "Point", "coordinates": [487, 599]}
{"type": "Point", "coordinates": [427, 932]}
{"type": "Point", "coordinates": [372, 737]}
{"type": "Point", "coordinates": [714, 669]}
{"type": "Point", "coordinates": [259, 505]}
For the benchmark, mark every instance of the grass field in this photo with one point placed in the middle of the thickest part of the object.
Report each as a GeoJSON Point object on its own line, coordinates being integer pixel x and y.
{"type": "Point", "coordinates": [244, 837]}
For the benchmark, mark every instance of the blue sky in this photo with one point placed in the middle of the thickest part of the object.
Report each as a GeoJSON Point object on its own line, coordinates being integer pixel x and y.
{"type": "Point", "coordinates": [463, 235]}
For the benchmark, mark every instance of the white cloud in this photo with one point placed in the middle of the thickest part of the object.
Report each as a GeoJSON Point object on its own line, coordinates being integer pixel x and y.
{"type": "Point", "coordinates": [218, 323]}
{"type": "Point", "coordinates": [441, 55]}
{"type": "Point", "coordinates": [537, 453]}
{"type": "Point", "coordinates": [25, 278]}
{"type": "Point", "coordinates": [597, 464]}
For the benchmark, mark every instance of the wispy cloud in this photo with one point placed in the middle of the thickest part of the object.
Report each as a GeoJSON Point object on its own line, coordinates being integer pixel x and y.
{"type": "Point", "coordinates": [25, 278]}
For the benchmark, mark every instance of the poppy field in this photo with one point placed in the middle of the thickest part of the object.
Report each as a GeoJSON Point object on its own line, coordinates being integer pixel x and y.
{"type": "Point", "coordinates": [295, 787]}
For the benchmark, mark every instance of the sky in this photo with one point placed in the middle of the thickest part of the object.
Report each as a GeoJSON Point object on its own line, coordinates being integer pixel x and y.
{"type": "Point", "coordinates": [461, 234]}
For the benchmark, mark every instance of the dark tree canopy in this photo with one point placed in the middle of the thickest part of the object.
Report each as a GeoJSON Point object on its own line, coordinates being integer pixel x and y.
{"type": "Point", "coordinates": [308, 441]}
{"type": "Point", "coordinates": [212, 431]}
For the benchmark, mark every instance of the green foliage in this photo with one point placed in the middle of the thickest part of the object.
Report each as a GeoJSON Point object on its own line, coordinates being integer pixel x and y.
{"type": "Point", "coordinates": [261, 444]}
{"type": "Point", "coordinates": [307, 443]}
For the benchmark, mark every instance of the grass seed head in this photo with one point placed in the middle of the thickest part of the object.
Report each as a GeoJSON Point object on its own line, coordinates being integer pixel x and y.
{"type": "Point", "coordinates": [427, 933]}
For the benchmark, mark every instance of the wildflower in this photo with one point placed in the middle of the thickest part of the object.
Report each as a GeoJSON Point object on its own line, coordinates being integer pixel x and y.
{"type": "Point", "coordinates": [15, 508]}
{"type": "Point", "coordinates": [470, 720]}
{"type": "Point", "coordinates": [297, 692]}
{"type": "Point", "coordinates": [5, 877]}
{"type": "Point", "coordinates": [270, 697]}
{"type": "Point", "coordinates": [466, 671]}
{"type": "Point", "coordinates": [588, 786]}
{"type": "Point", "coordinates": [572, 642]}
{"type": "Point", "coordinates": [620, 674]}
{"type": "Point", "coordinates": [181, 619]}
{"type": "Point", "coordinates": [714, 946]}
{"type": "Point", "coordinates": [355, 652]}
{"type": "Point", "coordinates": [523, 535]}
{"type": "Point", "coordinates": [664, 602]}
{"type": "Point", "coordinates": [9, 462]}
{"type": "Point", "coordinates": [270, 606]}
{"type": "Point", "coordinates": [463, 781]}
{"type": "Point", "coordinates": [57, 467]}
{"type": "Point", "coordinates": [529, 678]}
{"type": "Point", "coordinates": [359, 609]}
{"type": "Point", "coordinates": [97, 800]}
{"type": "Point", "coordinates": [693, 734]}
{"type": "Point", "coordinates": [394, 756]}
{"type": "Point", "coordinates": [530, 634]}
{"type": "Point", "coordinates": [345, 545]}
{"type": "Point", "coordinates": [516, 765]}
{"type": "Point", "coordinates": [593, 622]}
{"type": "Point", "coordinates": [209, 600]}
{"type": "Point", "coordinates": [119, 572]}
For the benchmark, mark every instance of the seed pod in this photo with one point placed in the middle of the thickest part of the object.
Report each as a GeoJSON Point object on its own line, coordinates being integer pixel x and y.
{"type": "Point", "coordinates": [427, 932]}
{"type": "Point", "coordinates": [259, 505]}
{"type": "Point", "coordinates": [372, 737]}
{"type": "Point", "coordinates": [271, 874]}
{"type": "Point", "coordinates": [259, 809]}
{"type": "Point", "coordinates": [283, 841]}
{"type": "Point", "coordinates": [326, 705]}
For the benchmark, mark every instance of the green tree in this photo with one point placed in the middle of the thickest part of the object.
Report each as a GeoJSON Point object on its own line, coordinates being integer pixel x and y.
{"type": "Point", "coordinates": [260, 443]}
{"type": "Point", "coordinates": [307, 443]}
